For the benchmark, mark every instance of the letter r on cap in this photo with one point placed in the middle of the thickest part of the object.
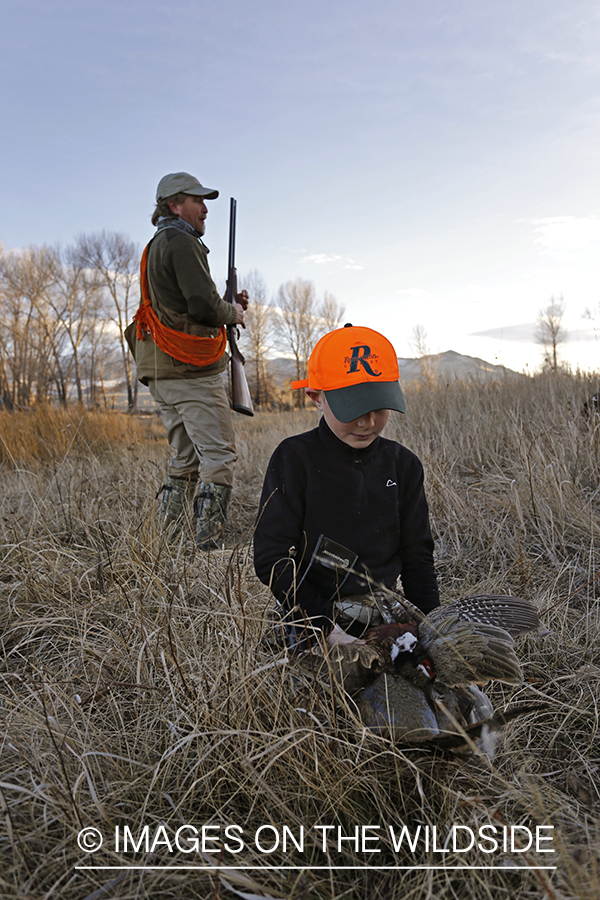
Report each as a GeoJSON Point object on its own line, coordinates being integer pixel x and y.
{"type": "Point", "coordinates": [361, 359]}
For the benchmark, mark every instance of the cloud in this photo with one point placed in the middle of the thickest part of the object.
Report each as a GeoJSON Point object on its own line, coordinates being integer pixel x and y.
{"type": "Point", "coordinates": [320, 259]}
{"type": "Point", "coordinates": [413, 293]}
{"type": "Point", "coordinates": [526, 333]}
{"type": "Point", "coordinates": [567, 235]}
{"type": "Point", "coordinates": [323, 259]}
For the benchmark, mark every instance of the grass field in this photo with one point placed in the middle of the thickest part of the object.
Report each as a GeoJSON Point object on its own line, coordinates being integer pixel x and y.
{"type": "Point", "coordinates": [136, 692]}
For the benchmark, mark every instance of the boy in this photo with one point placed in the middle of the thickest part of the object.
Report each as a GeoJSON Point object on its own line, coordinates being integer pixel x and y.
{"type": "Point", "coordinates": [342, 480]}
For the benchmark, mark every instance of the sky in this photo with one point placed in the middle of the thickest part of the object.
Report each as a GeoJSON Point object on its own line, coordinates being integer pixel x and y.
{"type": "Point", "coordinates": [430, 164]}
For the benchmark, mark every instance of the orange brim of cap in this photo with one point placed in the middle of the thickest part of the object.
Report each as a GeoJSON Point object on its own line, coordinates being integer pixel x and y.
{"type": "Point", "coordinates": [296, 385]}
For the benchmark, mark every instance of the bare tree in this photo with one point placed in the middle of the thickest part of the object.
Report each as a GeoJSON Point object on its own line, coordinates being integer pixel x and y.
{"type": "Point", "coordinates": [76, 302]}
{"type": "Point", "coordinates": [115, 259]}
{"type": "Point", "coordinates": [594, 316]}
{"type": "Point", "coordinates": [29, 343]}
{"type": "Point", "coordinates": [298, 323]}
{"type": "Point", "coordinates": [429, 362]}
{"type": "Point", "coordinates": [331, 312]}
{"type": "Point", "coordinates": [300, 320]}
{"type": "Point", "coordinates": [257, 337]}
{"type": "Point", "coordinates": [550, 331]}
{"type": "Point", "coordinates": [55, 366]}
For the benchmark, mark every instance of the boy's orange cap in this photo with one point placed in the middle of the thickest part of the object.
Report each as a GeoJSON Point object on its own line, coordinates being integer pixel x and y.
{"type": "Point", "coordinates": [357, 368]}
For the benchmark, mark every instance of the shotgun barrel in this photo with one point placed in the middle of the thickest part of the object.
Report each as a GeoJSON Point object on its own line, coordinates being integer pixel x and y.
{"type": "Point", "coordinates": [241, 401]}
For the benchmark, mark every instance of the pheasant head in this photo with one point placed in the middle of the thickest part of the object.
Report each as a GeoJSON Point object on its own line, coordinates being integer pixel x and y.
{"type": "Point", "coordinates": [402, 652]}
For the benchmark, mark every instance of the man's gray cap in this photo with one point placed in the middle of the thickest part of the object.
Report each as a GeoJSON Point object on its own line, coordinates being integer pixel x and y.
{"type": "Point", "coordinates": [182, 183]}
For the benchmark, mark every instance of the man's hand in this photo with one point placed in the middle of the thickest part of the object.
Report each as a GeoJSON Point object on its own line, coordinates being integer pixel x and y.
{"type": "Point", "coordinates": [242, 299]}
{"type": "Point", "coordinates": [240, 313]}
{"type": "Point", "coordinates": [338, 636]}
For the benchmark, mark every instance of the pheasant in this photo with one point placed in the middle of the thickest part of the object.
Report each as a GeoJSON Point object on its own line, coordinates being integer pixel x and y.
{"type": "Point", "coordinates": [430, 665]}
{"type": "Point", "coordinates": [470, 640]}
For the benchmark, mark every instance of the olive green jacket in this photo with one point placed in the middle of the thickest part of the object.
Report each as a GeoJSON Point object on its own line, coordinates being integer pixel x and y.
{"type": "Point", "coordinates": [184, 297]}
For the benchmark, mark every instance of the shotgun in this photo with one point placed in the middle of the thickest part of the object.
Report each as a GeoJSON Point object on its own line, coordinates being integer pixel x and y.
{"type": "Point", "coordinates": [241, 401]}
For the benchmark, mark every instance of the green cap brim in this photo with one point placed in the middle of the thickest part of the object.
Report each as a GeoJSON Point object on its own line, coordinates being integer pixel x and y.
{"type": "Point", "coordinates": [352, 402]}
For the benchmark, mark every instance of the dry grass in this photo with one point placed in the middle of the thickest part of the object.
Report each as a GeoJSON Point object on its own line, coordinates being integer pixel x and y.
{"type": "Point", "coordinates": [47, 434]}
{"type": "Point", "coordinates": [135, 689]}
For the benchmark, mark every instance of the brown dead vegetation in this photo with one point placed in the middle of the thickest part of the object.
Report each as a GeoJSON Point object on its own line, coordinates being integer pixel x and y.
{"type": "Point", "coordinates": [136, 689]}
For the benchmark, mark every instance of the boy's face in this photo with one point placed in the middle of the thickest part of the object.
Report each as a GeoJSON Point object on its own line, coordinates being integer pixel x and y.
{"type": "Point", "coordinates": [359, 433]}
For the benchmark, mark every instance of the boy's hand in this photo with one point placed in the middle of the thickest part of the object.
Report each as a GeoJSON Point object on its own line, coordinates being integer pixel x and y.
{"type": "Point", "coordinates": [338, 636]}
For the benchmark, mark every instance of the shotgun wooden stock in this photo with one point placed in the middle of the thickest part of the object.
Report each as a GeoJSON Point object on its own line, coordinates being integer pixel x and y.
{"type": "Point", "coordinates": [241, 401]}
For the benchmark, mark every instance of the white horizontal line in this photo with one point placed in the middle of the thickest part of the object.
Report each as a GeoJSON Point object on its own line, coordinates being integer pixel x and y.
{"type": "Point", "coordinates": [226, 868]}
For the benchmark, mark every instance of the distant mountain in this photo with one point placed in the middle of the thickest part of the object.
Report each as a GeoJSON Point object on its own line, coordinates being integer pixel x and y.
{"type": "Point", "coordinates": [447, 366]}
{"type": "Point", "coordinates": [452, 365]}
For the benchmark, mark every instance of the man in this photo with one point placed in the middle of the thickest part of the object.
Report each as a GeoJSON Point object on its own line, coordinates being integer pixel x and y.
{"type": "Point", "coordinates": [178, 342]}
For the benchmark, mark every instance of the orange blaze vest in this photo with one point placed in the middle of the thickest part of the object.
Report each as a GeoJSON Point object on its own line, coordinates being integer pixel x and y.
{"type": "Point", "coordinates": [187, 348]}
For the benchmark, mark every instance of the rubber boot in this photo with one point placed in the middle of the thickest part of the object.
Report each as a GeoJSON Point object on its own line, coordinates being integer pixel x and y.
{"type": "Point", "coordinates": [211, 504]}
{"type": "Point", "coordinates": [177, 494]}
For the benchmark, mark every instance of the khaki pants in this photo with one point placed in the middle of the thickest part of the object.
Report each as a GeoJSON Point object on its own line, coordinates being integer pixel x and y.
{"type": "Point", "coordinates": [197, 417]}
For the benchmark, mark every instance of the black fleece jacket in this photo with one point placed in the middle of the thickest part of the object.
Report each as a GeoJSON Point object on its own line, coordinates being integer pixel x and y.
{"type": "Point", "coordinates": [372, 501]}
